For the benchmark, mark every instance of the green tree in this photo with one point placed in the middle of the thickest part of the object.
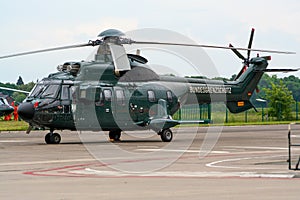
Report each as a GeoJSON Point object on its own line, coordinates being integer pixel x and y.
{"type": "Point", "coordinates": [20, 81]}
{"type": "Point", "coordinates": [18, 97]}
{"type": "Point", "coordinates": [27, 87]}
{"type": "Point", "coordinates": [280, 100]}
{"type": "Point", "coordinates": [293, 84]}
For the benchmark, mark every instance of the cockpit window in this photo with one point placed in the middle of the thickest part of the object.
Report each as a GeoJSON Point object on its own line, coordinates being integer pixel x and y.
{"type": "Point", "coordinates": [37, 90]}
{"type": "Point", "coordinates": [50, 91]}
{"type": "Point", "coordinates": [65, 92]}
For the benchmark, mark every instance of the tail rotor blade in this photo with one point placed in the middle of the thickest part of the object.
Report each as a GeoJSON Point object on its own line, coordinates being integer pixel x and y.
{"type": "Point", "coordinates": [237, 52]}
{"type": "Point", "coordinates": [250, 43]}
{"type": "Point", "coordinates": [241, 72]}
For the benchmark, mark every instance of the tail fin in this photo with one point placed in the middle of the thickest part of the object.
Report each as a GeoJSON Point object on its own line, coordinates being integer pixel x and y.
{"type": "Point", "coordinates": [246, 84]}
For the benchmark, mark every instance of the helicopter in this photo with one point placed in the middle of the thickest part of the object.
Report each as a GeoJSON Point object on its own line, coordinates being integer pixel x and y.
{"type": "Point", "coordinates": [5, 108]}
{"type": "Point", "coordinates": [118, 92]}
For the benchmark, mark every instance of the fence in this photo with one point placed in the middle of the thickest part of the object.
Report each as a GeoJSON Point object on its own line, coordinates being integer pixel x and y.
{"type": "Point", "coordinates": [218, 113]}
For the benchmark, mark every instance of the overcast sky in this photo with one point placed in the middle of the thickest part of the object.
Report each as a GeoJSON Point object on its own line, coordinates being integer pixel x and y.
{"type": "Point", "coordinates": [33, 24]}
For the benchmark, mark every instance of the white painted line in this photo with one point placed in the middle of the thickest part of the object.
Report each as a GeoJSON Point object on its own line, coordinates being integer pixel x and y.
{"type": "Point", "coordinates": [182, 151]}
{"type": "Point", "coordinates": [271, 175]}
{"type": "Point", "coordinates": [215, 163]}
{"type": "Point", "coordinates": [252, 147]}
{"type": "Point", "coordinates": [148, 146]}
{"type": "Point", "coordinates": [47, 162]}
{"type": "Point", "coordinates": [12, 141]}
{"type": "Point", "coordinates": [184, 174]}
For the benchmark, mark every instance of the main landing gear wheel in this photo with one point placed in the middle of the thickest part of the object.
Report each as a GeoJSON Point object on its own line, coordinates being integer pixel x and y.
{"type": "Point", "coordinates": [166, 135]}
{"type": "Point", "coordinates": [115, 135]}
{"type": "Point", "coordinates": [52, 138]}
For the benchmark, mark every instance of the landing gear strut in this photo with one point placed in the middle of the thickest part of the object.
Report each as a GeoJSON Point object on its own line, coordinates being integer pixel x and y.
{"type": "Point", "coordinates": [166, 135]}
{"type": "Point", "coordinates": [114, 135]}
{"type": "Point", "coordinates": [52, 138]}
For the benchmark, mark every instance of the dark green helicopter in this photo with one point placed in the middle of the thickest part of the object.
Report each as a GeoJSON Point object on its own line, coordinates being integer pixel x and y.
{"type": "Point", "coordinates": [118, 92]}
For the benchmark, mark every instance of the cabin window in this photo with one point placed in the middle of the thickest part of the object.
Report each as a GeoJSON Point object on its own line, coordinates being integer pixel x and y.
{"type": "Point", "coordinates": [101, 97]}
{"type": "Point", "coordinates": [65, 92]}
{"type": "Point", "coordinates": [107, 95]}
{"type": "Point", "coordinates": [82, 94]}
{"type": "Point", "coordinates": [120, 97]}
{"type": "Point", "coordinates": [151, 96]}
{"type": "Point", "coordinates": [169, 96]}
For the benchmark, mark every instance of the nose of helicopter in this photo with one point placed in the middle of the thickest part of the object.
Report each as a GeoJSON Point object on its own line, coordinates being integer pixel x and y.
{"type": "Point", "coordinates": [26, 110]}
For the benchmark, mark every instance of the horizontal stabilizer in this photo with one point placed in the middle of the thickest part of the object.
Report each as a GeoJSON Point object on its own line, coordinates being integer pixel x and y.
{"type": "Point", "coordinates": [201, 121]}
{"type": "Point", "coordinates": [162, 123]}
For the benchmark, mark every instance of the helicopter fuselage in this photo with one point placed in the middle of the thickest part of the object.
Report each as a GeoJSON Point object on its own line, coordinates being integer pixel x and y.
{"type": "Point", "coordinates": [97, 99]}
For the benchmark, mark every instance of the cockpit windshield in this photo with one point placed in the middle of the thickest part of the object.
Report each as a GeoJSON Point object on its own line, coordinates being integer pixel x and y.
{"type": "Point", "coordinates": [45, 91]}
{"type": "Point", "coordinates": [50, 91]}
{"type": "Point", "coordinates": [37, 90]}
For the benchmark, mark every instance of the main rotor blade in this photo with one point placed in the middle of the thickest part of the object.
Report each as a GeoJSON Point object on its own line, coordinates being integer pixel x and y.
{"type": "Point", "coordinates": [237, 53]}
{"type": "Point", "coordinates": [210, 46]}
{"type": "Point", "coordinates": [281, 70]}
{"type": "Point", "coordinates": [250, 43]}
{"type": "Point", "coordinates": [46, 50]}
{"type": "Point", "coordinates": [120, 58]}
{"type": "Point", "coordinates": [14, 90]}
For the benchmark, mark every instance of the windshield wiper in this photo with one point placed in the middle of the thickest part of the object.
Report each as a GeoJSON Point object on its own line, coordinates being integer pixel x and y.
{"type": "Point", "coordinates": [46, 95]}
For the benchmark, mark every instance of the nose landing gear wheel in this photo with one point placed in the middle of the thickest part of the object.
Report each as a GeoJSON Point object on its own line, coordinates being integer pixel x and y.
{"type": "Point", "coordinates": [52, 138]}
{"type": "Point", "coordinates": [166, 135]}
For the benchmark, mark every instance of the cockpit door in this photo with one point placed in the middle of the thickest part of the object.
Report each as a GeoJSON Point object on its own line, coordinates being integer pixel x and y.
{"type": "Point", "coordinates": [66, 99]}
{"type": "Point", "coordinates": [64, 118]}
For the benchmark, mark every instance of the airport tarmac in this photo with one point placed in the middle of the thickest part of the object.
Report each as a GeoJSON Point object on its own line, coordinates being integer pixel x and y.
{"type": "Point", "coordinates": [247, 162]}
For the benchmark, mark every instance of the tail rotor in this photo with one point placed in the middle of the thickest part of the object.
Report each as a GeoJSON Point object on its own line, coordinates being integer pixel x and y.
{"type": "Point", "coordinates": [246, 60]}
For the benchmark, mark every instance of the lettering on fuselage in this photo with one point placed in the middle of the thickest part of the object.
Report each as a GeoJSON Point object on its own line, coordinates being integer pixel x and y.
{"type": "Point", "coordinates": [62, 117]}
{"type": "Point", "coordinates": [210, 90]}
